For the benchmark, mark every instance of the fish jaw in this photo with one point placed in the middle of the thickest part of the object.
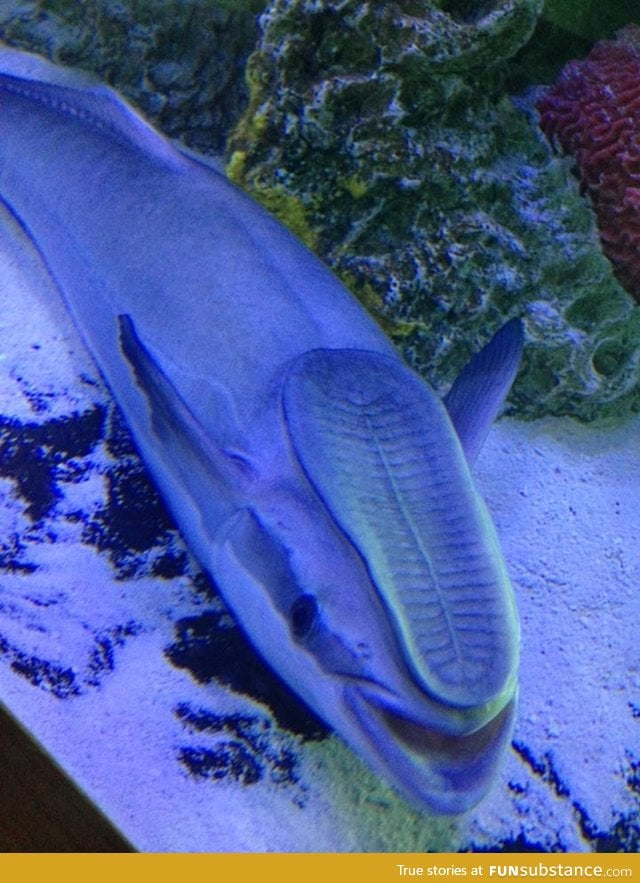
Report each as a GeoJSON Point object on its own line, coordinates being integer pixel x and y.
{"type": "Point", "coordinates": [439, 772]}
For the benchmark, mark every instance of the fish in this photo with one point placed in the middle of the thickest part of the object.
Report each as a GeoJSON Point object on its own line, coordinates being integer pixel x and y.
{"type": "Point", "coordinates": [316, 477]}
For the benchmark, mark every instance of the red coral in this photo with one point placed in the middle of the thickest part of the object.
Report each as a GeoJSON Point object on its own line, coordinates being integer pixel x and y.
{"type": "Point", "coordinates": [593, 113]}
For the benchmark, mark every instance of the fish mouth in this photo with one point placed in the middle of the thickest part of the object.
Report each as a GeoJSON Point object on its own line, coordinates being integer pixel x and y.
{"type": "Point", "coordinates": [435, 769]}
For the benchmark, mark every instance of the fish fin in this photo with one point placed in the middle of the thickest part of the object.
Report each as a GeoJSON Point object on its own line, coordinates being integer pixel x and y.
{"type": "Point", "coordinates": [174, 421]}
{"type": "Point", "coordinates": [82, 95]}
{"type": "Point", "coordinates": [378, 447]}
{"type": "Point", "coordinates": [477, 394]}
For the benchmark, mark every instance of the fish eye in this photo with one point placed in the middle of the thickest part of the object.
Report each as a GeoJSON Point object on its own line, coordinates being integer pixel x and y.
{"type": "Point", "coordinates": [303, 614]}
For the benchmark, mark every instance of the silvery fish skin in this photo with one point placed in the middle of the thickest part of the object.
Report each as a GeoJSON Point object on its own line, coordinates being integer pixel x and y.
{"type": "Point", "coordinates": [316, 477]}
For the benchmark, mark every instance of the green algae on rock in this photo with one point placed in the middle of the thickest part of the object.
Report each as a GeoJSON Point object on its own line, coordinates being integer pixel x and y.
{"type": "Point", "coordinates": [590, 19]}
{"type": "Point", "coordinates": [181, 63]}
{"type": "Point", "coordinates": [384, 128]}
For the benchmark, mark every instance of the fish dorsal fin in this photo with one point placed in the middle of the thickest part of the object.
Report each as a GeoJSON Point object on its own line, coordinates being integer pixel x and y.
{"type": "Point", "coordinates": [477, 394]}
{"type": "Point", "coordinates": [81, 95]}
{"type": "Point", "coordinates": [377, 445]}
{"type": "Point", "coordinates": [175, 422]}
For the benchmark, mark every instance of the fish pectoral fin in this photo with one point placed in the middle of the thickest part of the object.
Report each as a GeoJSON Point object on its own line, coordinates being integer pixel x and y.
{"type": "Point", "coordinates": [173, 420]}
{"type": "Point", "coordinates": [478, 392]}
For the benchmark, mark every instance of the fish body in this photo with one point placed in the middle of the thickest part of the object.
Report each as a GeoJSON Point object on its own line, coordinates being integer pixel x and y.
{"type": "Point", "coordinates": [318, 479]}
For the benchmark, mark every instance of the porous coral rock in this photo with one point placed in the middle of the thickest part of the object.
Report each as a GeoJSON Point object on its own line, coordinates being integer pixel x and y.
{"type": "Point", "coordinates": [593, 114]}
{"type": "Point", "coordinates": [181, 63]}
{"type": "Point", "coordinates": [386, 125]}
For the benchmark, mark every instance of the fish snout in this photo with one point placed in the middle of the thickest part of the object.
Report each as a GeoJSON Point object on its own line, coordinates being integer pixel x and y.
{"type": "Point", "coordinates": [443, 764]}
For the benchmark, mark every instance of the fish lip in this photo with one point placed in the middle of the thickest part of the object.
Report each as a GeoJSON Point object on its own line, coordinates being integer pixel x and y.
{"type": "Point", "coordinates": [436, 769]}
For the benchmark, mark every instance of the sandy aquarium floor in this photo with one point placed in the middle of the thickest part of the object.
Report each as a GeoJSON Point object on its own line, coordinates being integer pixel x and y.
{"type": "Point", "coordinates": [119, 655]}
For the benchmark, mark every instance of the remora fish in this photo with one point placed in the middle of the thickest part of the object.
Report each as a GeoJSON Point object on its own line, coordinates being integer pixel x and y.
{"type": "Point", "coordinates": [316, 477]}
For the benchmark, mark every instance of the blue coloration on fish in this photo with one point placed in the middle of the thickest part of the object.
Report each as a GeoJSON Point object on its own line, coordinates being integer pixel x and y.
{"type": "Point", "coordinates": [317, 478]}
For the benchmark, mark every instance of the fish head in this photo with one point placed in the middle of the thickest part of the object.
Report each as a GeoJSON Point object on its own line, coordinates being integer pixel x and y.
{"type": "Point", "coordinates": [372, 580]}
